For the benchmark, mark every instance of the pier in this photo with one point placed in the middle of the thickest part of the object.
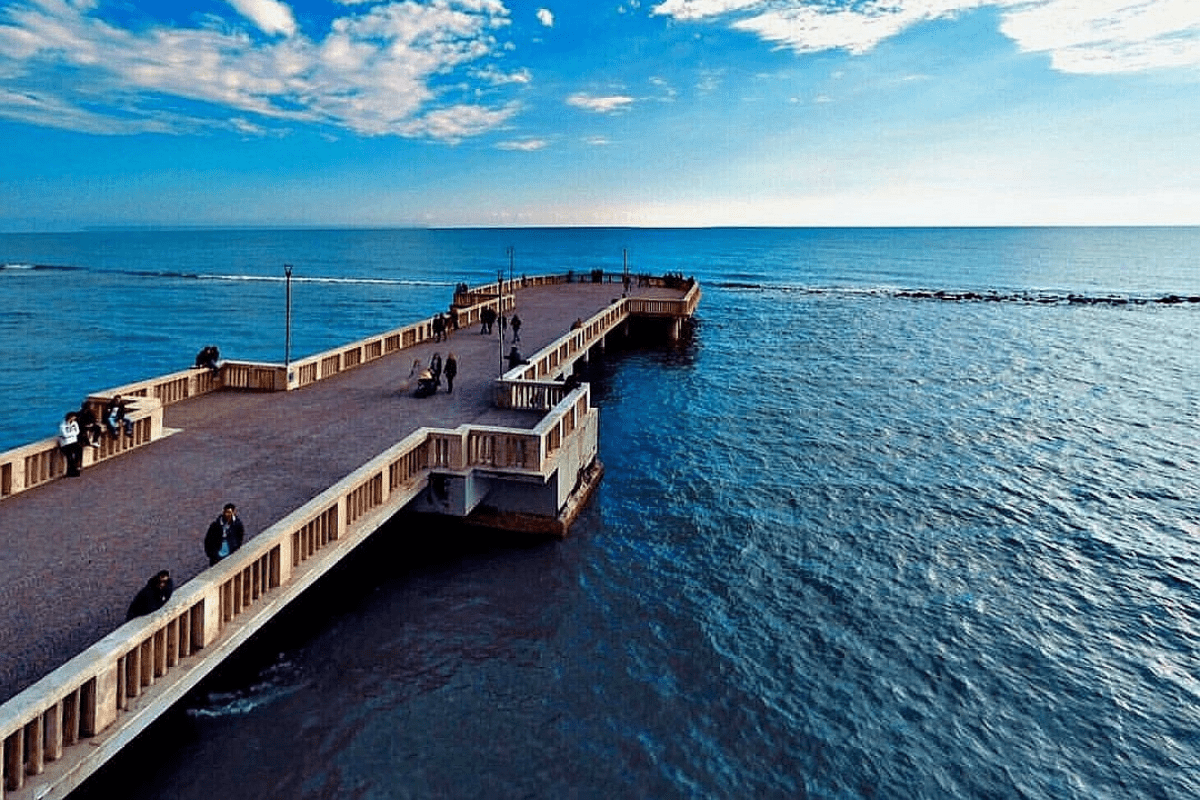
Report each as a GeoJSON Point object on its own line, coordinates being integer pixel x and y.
{"type": "Point", "coordinates": [318, 454]}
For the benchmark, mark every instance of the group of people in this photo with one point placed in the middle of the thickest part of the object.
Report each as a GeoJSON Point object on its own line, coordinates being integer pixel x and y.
{"type": "Point", "coordinates": [80, 429]}
{"type": "Point", "coordinates": [443, 324]}
{"type": "Point", "coordinates": [222, 539]}
{"type": "Point", "coordinates": [209, 358]}
{"type": "Point", "coordinates": [430, 378]}
{"type": "Point", "coordinates": [488, 318]}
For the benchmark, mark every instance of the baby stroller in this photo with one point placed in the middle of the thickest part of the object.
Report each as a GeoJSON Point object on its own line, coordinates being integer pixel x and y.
{"type": "Point", "coordinates": [427, 384]}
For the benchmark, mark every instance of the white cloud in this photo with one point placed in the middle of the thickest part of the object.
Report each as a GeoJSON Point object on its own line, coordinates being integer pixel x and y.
{"type": "Point", "coordinates": [398, 68]}
{"type": "Point", "coordinates": [1085, 36]}
{"type": "Point", "coordinates": [523, 145]}
{"type": "Point", "coordinates": [601, 105]}
{"type": "Point", "coordinates": [270, 16]}
{"type": "Point", "coordinates": [545, 17]}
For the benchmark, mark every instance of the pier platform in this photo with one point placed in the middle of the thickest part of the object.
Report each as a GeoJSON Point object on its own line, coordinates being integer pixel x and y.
{"type": "Point", "coordinates": [78, 549]}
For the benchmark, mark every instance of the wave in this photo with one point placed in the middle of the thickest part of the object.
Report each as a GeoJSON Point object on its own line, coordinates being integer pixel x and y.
{"type": "Point", "coordinates": [228, 278]}
{"type": "Point", "coordinates": [37, 268]}
{"type": "Point", "coordinates": [970, 296]}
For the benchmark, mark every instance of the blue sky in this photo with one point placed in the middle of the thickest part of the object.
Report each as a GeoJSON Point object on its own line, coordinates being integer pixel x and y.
{"type": "Point", "coordinates": [605, 112]}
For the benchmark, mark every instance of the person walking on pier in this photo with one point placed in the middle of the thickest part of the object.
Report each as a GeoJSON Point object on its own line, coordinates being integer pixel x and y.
{"type": "Point", "coordinates": [450, 370]}
{"type": "Point", "coordinates": [516, 327]}
{"type": "Point", "coordinates": [224, 535]}
{"type": "Point", "coordinates": [435, 367]}
{"type": "Point", "coordinates": [153, 596]}
{"type": "Point", "coordinates": [69, 444]}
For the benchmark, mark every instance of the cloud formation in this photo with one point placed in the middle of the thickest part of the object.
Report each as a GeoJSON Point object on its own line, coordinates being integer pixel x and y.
{"type": "Point", "coordinates": [545, 17]}
{"type": "Point", "coordinates": [606, 104]}
{"type": "Point", "coordinates": [1096, 36]}
{"type": "Point", "coordinates": [390, 69]}
{"type": "Point", "coordinates": [270, 16]}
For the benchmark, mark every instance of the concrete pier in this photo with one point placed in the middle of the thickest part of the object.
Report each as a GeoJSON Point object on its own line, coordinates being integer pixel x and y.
{"type": "Point", "coordinates": [317, 455]}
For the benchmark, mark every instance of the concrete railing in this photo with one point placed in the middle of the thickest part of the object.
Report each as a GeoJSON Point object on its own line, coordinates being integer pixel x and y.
{"type": "Point", "coordinates": [34, 464]}
{"type": "Point", "coordinates": [31, 465]}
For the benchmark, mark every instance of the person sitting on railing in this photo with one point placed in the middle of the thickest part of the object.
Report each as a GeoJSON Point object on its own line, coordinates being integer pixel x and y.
{"type": "Point", "coordinates": [114, 417]}
{"type": "Point", "coordinates": [514, 357]}
{"type": "Point", "coordinates": [208, 358]}
{"type": "Point", "coordinates": [89, 426]}
{"type": "Point", "coordinates": [224, 535]}
{"type": "Point", "coordinates": [153, 596]}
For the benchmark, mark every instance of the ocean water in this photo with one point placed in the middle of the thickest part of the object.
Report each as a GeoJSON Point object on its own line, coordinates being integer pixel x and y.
{"type": "Point", "coordinates": [910, 514]}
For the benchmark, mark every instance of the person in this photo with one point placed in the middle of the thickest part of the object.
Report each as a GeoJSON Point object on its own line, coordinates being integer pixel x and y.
{"type": "Point", "coordinates": [435, 367]}
{"type": "Point", "coordinates": [69, 444]}
{"type": "Point", "coordinates": [114, 417]}
{"type": "Point", "coordinates": [487, 316]}
{"type": "Point", "coordinates": [89, 426]}
{"type": "Point", "coordinates": [439, 327]}
{"type": "Point", "coordinates": [514, 357]}
{"type": "Point", "coordinates": [224, 535]}
{"type": "Point", "coordinates": [208, 357]}
{"type": "Point", "coordinates": [503, 326]}
{"type": "Point", "coordinates": [153, 596]}
{"type": "Point", "coordinates": [516, 327]}
{"type": "Point", "coordinates": [450, 370]}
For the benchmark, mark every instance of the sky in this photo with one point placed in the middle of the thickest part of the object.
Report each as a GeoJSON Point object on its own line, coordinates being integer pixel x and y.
{"type": "Point", "coordinates": [654, 113]}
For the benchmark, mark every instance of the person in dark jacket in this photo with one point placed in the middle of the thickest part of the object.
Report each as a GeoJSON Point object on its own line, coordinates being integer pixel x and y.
{"type": "Point", "coordinates": [153, 596]}
{"type": "Point", "coordinates": [450, 370]}
{"type": "Point", "coordinates": [224, 535]}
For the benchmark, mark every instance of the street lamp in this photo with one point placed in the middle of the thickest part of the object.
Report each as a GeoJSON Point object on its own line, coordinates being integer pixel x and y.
{"type": "Point", "coordinates": [287, 337]}
{"type": "Point", "coordinates": [500, 315]}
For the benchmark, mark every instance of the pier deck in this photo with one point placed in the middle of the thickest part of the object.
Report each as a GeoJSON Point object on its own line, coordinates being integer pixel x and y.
{"type": "Point", "coordinates": [78, 549]}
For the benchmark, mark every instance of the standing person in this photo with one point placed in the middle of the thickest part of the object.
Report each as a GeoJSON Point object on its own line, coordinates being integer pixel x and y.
{"type": "Point", "coordinates": [435, 367]}
{"type": "Point", "coordinates": [153, 596]}
{"type": "Point", "coordinates": [450, 370]}
{"type": "Point", "coordinates": [516, 327]}
{"type": "Point", "coordinates": [439, 327]}
{"type": "Point", "coordinates": [224, 535]}
{"type": "Point", "coordinates": [503, 326]}
{"type": "Point", "coordinates": [69, 444]}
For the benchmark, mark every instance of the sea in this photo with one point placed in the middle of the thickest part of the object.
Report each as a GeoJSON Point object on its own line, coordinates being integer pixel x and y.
{"type": "Point", "coordinates": [907, 513]}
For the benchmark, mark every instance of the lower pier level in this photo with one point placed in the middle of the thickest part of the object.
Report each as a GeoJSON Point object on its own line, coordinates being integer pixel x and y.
{"type": "Point", "coordinates": [317, 455]}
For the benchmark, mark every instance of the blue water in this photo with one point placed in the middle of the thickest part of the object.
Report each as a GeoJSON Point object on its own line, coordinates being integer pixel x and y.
{"type": "Point", "coordinates": [853, 541]}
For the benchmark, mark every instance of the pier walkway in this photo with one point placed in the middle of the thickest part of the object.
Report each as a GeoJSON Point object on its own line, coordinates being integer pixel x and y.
{"type": "Point", "coordinates": [78, 549]}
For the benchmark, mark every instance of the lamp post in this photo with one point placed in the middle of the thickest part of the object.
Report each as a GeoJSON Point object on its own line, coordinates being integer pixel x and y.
{"type": "Point", "coordinates": [500, 314]}
{"type": "Point", "coordinates": [287, 336]}
{"type": "Point", "coordinates": [511, 252]}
